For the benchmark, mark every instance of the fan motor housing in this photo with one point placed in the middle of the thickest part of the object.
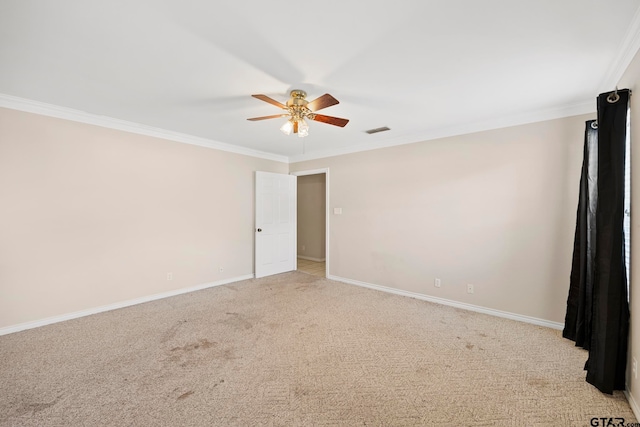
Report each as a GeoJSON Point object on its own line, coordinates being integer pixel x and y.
{"type": "Point", "coordinates": [297, 98]}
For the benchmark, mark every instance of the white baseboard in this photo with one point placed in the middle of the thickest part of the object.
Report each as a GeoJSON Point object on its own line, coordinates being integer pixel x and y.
{"type": "Point", "coordinates": [452, 303]}
{"type": "Point", "coordinates": [632, 403]}
{"type": "Point", "coordinates": [61, 318]}
{"type": "Point", "coordinates": [308, 258]}
{"type": "Point", "coordinates": [55, 319]}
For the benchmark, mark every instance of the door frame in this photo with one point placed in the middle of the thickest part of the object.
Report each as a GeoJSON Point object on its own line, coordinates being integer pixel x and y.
{"type": "Point", "coordinates": [327, 217]}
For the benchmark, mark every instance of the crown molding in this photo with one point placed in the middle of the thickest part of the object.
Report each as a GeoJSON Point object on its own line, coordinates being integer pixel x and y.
{"type": "Point", "coordinates": [627, 51]}
{"type": "Point", "coordinates": [30, 106]}
{"type": "Point", "coordinates": [36, 107]}
{"type": "Point", "coordinates": [586, 107]}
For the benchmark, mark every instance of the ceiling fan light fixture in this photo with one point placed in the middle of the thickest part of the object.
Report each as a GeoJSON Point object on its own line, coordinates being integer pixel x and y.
{"type": "Point", "coordinates": [303, 128]}
{"type": "Point", "coordinates": [287, 127]}
{"type": "Point", "coordinates": [297, 109]}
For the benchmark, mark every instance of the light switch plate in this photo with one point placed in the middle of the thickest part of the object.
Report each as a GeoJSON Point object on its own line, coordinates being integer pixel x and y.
{"type": "Point", "coordinates": [337, 211]}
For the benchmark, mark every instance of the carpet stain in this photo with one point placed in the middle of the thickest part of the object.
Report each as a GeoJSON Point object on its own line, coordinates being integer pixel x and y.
{"type": "Point", "coordinates": [185, 395]}
{"type": "Point", "coordinates": [483, 335]}
{"type": "Point", "coordinates": [299, 391]}
{"type": "Point", "coordinates": [171, 332]}
{"type": "Point", "coordinates": [228, 354]}
{"type": "Point", "coordinates": [469, 346]}
{"type": "Point", "coordinates": [307, 286]}
{"type": "Point", "coordinates": [192, 354]}
{"type": "Point", "coordinates": [238, 320]}
{"type": "Point", "coordinates": [33, 408]}
{"type": "Point", "coordinates": [201, 343]}
{"type": "Point", "coordinates": [538, 382]}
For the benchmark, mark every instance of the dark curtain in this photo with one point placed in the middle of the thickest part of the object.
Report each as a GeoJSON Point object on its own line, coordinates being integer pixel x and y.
{"type": "Point", "coordinates": [577, 323]}
{"type": "Point", "coordinates": [597, 308]}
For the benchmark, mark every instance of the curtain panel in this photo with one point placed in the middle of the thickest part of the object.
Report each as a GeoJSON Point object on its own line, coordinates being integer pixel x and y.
{"type": "Point", "coordinates": [597, 317]}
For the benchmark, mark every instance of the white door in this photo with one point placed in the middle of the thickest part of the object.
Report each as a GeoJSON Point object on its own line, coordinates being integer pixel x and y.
{"type": "Point", "coordinates": [275, 230]}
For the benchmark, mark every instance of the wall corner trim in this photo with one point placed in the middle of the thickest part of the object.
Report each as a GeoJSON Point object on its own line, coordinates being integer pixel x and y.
{"type": "Point", "coordinates": [452, 303]}
{"type": "Point", "coordinates": [626, 52]}
{"type": "Point", "coordinates": [61, 318]}
{"type": "Point", "coordinates": [632, 402]}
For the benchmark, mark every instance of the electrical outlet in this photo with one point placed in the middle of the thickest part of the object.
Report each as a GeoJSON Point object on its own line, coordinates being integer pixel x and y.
{"type": "Point", "coordinates": [437, 283]}
{"type": "Point", "coordinates": [303, 248]}
{"type": "Point", "coordinates": [469, 288]}
{"type": "Point", "coordinates": [169, 276]}
{"type": "Point", "coordinates": [221, 269]}
{"type": "Point", "coordinates": [634, 368]}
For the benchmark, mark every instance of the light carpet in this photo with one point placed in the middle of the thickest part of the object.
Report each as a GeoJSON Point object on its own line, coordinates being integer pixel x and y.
{"type": "Point", "coordinates": [296, 350]}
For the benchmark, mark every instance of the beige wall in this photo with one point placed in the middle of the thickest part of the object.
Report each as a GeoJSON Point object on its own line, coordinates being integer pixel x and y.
{"type": "Point", "coordinates": [631, 80]}
{"type": "Point", "coordinates": [311, 216]}
{"type": "Point", "coordinates": [495, 209]}
{"type": "Point", "coordinates": [91, 216]}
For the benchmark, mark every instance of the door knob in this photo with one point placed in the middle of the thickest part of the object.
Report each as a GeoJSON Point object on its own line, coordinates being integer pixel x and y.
{"type": "Point", "coordinates": [259, 230]}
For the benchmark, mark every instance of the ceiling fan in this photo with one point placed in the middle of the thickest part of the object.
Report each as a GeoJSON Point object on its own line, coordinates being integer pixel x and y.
{"type": "Point", "coordinates": [298, 109]}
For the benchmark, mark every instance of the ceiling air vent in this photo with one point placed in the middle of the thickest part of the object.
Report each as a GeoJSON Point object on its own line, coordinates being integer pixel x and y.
{"type": "Point", "coordinates": [376, 130]}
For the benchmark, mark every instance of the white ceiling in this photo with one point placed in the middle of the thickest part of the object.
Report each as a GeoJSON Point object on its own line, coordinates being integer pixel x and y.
{"type": "Point", "coordinates": [423, 68]}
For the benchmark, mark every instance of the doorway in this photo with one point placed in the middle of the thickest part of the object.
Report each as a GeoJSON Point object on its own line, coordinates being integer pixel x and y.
{"type": "Point", "coordinates": [313, 222]}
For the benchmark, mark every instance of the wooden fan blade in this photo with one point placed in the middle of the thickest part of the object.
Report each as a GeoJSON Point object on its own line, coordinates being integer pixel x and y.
{"type": "Point", "coordinates": [275, 116]}
{"type": "Point", "coordinates": [265, 98]}
{"type": "Point", "coordinates": [324, 101]}
{"type": "Point", "coordinates": [295, 127]}
{"type": "Point", "coordinates": [336, 121]}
